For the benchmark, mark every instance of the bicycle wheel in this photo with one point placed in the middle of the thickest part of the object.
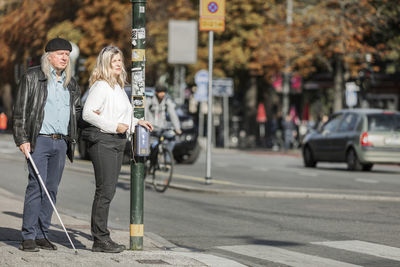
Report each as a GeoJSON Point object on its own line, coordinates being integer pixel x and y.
{"type": "Point", "coordinates": [162, 173]}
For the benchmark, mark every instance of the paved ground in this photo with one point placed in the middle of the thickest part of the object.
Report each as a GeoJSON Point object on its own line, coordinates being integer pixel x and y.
{"type": "Point", "coordinates": [156, 250]}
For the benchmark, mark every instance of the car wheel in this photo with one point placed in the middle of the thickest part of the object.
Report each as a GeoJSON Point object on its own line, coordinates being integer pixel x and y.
{"type": "Point", "coordinates": [367, 167]}
{"type": "Point", "coordinates": [308, 157]}
{"type": "Point", "coordinates": [191, 156]}
{"type": "Point", "coordinates": [353, 164]}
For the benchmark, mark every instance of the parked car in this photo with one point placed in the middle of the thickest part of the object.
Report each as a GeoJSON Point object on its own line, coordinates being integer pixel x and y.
{"type": "Point", "coordinates": [187, 148]}
{"type": "Point", "coordinates": [359, 137]}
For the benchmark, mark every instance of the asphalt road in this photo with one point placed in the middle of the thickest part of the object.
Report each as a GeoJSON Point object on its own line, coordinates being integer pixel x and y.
{"type": "Point", "coordinates": [304, 217]}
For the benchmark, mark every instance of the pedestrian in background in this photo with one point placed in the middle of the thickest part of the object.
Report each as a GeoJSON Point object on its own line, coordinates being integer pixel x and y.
{"type": "Point", "coordinates": [45, 116]}
{"type": "Point", "coordinates": [3, 122]}
{"type": "Point", "coordinates": [109, 111]}
{"type": "Point", "coordinates": [289, 131]}
{"type": "Point", "coordinates": [157, 108]}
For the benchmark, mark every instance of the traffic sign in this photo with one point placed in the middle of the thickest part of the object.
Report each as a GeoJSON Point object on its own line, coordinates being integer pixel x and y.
{"type": "Point", "coordinates": [212, 15]}
{"type": "Point", "coordinates": [201, 80]}
{"type": "Point", "coordinates": [222, 87]}
{"type": "Point", "coordinates": [351, 94]}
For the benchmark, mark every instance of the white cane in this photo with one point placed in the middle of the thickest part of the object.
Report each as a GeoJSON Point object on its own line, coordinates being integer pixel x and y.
{"type": "Point", "coordinates": [48, 195]}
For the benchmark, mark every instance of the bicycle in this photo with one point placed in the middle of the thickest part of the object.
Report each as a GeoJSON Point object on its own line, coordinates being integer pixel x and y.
{"type": "Point", "coordinates": [160, 163]}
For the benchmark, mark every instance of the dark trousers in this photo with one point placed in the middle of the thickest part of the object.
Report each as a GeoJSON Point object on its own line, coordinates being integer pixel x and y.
{"type": "Point", "coordinates": [49, 157]}
{"type": "Point", "coordinates": [106, 155]}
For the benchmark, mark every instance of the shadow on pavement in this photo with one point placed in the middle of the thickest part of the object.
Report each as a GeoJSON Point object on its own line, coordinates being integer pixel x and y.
{"type": "Point", "coordinates": [57, 236]}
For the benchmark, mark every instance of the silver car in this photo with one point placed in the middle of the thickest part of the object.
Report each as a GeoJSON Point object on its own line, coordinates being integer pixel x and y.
{"type": "Point", "coordinates": [359, 137]}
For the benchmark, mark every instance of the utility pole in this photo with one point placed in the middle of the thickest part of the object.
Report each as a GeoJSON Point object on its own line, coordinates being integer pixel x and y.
{"type": "Point", "coordinates": [138, 98]}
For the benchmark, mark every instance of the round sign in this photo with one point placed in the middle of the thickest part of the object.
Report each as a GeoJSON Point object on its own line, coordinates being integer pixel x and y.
{"type": "Point", "coordinates": [213, 7]}
{"type": "Point", "coordinates": [351, 98]}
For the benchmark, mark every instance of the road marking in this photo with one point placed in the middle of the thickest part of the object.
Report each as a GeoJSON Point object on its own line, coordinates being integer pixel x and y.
{"type": "Point", "coordinates": [221, 164]}
{"type": "Point", "coordinates": [312, 174]}
{"type": "Point", "coordinates": [368, 181]}
{"type": "Point", "coordinates": [262, 169]}
{"type": "Point", "coordinates": [368, 248]}
{"type": "Point", "coordinates": [284, 256]}
{"type": "Point", "coordinates": [211, 260]}
{"type": "Point", "coordinates": [193, 178]}
{"type": "Point", "coordinates": [9, 151]}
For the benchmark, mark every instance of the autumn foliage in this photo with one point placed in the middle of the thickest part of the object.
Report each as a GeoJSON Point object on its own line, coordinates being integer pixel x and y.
{"type": "Point", "coordinates": [258, 41]}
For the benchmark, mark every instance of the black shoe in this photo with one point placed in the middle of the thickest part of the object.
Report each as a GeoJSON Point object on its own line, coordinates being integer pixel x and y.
{"type": "Point", "coordinates": [44, 243]}
{"type": "Point", "coordinates": [107, 246]}
{"type": "Point", "coordinates": [116, 244]}
{"type": "Point", "coordinates": [28, 245]}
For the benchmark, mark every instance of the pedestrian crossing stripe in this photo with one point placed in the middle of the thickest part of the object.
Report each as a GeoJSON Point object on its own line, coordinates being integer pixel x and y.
{"type": "Point", "coordinates": [283, 256]}
{"type": "Point", "coordinates": [363, 247]}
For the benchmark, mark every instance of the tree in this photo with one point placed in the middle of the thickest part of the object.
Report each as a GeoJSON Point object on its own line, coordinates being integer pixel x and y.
{"type": "Point", "coordinates": [158, 15]}
{"type": "Point", "coordinates": [23, 34]}
{"type": "Point", "coordinates": [329, 35]}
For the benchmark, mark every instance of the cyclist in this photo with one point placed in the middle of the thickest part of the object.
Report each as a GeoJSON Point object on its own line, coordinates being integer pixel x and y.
{"type": "Point", "coordinates": [157, 108]}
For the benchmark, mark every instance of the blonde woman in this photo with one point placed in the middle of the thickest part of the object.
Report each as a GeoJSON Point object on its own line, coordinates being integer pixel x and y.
{"type": "Point", "coordinates": [109, 109]}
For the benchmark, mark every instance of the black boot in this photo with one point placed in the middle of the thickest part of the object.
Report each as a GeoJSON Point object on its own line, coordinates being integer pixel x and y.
{"type": "Point", "coordinates": [28, 245]}
{"type": "Point", "coordinates": [107, 246]}
{"type": "Point", "coordinates": [44, 243]}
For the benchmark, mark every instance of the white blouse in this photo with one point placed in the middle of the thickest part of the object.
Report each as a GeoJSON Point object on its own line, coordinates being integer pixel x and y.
{"type": "Point", "coordinates": [113, 106]}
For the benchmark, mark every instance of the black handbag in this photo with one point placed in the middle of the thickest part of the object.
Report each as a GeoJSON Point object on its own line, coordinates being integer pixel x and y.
{"type": "Point", "coordinates": [90, 133]}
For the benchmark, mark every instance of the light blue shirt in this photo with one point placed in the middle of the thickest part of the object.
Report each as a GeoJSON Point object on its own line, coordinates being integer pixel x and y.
{"type": "Point", "coordinates": [56, 109]}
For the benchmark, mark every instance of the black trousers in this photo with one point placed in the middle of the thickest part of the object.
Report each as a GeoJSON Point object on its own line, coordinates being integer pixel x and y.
{"type": "Point", "coordinates": [106, 154]}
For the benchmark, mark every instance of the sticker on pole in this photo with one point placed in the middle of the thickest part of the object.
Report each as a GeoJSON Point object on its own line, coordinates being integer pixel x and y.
{"type": "Point", "coordinates": [138, 55]}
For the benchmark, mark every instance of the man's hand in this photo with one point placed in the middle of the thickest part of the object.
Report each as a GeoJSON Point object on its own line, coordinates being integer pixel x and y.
{"type": "Point", "coordinates": [25, 148]}
{"type": "Point", "coordinates": [178, 131]}
{"type": "Point", "coordinates": [122, 128]}
{"type": "Point", "coordinates": [146, 124]}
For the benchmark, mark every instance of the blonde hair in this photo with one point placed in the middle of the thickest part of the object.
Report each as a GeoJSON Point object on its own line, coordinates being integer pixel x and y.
{"type": "Point", "coordinates": [45, 65]}
{"type": "Point", "coordinates": [102, 69]}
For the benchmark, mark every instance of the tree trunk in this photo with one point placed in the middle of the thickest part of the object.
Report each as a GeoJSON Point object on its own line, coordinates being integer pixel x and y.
{"type": "Point", "coordinates": [338, 84]}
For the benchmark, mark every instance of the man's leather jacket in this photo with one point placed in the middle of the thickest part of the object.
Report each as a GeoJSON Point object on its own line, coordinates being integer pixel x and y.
{"type": "Point", "coordinates": [29, 105]}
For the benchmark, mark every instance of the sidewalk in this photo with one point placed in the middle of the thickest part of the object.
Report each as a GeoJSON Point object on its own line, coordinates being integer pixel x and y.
{"type": "Point", "coordinates": [157, 251]}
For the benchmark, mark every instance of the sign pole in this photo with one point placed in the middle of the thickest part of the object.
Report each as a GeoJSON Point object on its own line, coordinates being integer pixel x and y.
{"type": "Point", "coordinates": [226, 121]}
{"type": "Point", "coordinates": [210, 98]}
{"type": "Point", "coordinates": [212, 18]}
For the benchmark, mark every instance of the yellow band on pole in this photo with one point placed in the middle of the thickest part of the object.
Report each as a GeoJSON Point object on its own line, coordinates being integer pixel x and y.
{"type": "Point", "coordinates": [137, 230]}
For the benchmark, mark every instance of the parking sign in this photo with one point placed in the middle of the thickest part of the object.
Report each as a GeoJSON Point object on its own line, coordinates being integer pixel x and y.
{"type": "Point", "coordinates": [212, 15]}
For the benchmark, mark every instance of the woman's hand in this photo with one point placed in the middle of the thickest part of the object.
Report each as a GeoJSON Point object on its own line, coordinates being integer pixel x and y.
{"type": "Point", "coordinates": [122, 128]}
{"type": "Point", "coordinates": [146, 124]}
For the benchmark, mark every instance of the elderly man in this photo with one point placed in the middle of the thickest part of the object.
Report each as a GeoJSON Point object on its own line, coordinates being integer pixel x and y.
{"type": "Point", "coordinates": [45, 117]}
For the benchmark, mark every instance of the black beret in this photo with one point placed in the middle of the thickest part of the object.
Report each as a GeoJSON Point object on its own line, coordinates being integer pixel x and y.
{"type": "Point", "coordinates": [58, 44]}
